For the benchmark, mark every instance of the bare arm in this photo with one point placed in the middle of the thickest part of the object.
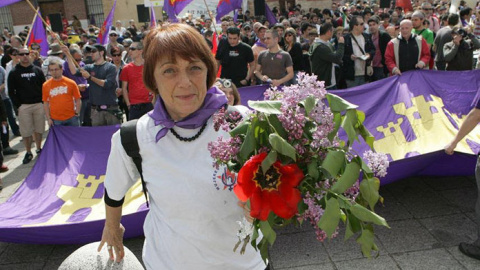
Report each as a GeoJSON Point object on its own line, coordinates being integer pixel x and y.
{"type": "Point", "coordinates": [125, 93]}
{"type": "Point", "coordinates": [46, 108]}
{"type": "Point", "coordinates": [78, 106]}
{"type": "Point", "coordinates": [113, 233]}
{"type": "Point", "coordinates": [473, 118]}
{"type": "Point", "coordinates": [285, 79]}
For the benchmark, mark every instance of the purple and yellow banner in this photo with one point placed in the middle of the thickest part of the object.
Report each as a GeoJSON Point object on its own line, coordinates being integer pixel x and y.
{"type": "Point", "coordinates": [61, 200]}
{"type": "Point", "coordinates": [412, 117]}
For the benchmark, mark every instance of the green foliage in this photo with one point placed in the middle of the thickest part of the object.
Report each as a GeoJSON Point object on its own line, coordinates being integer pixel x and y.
{"type": "Point", "coordinates": [329, 221]}
{"type": "Point", "coordinates": [266, 106]}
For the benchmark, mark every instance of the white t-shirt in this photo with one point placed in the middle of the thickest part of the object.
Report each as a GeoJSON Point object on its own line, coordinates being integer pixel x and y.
{"type": "Point", "coordinates": [193, 210]}
{"type": "Point", "coordinates": [359, 63]}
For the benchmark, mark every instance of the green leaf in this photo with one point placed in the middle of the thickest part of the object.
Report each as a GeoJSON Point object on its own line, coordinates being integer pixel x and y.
{"type": "Point", "coordinates": [240, 129]}
{"type": "Point", "coordinates": [333, 162]}
{"type": "Point", "coordinates": [329, 221]}
{"type": "Point", "coordinates": [267, 231]}
{"type": "Point", "coordinates": [366, 135]}
{"type": "Point", "coordinates": [280, 145]}
{"type": "Point", "coordinates": [348, 178]}
{"type": "Point", "coordinates": [309, 103]}
{"type": "Point", "coordinates": [366, 215]}
{"type": "Point", "coordinates": [266, 106]}
{"type": "Point", "coordinates": [277, 125]}
{"type": "Point", "coordinates": [360, 116]}
{"type": "Point", "coordinates": [248, 145]}
{"type": "Point", "coordinates": [263, 246]}
{"type": "Point", "coordinates": [348, 124]}
{"type": "Point", "coordinates": [353, 226]}
{"type": "Point", "coordinates": [367, 170]}
{"type": "Point", "coordinates": [268, 161]}
{"type": "Point", "coordinates": [338, 104]}
{"type": "Point", "coordinates": [313, 169]}
{"type": "Point", "coordinates": [366, 241]}
{"type": "Point", "coordinates": [337, 119]}
{"type": "Point", "coordinates": [369, 189]}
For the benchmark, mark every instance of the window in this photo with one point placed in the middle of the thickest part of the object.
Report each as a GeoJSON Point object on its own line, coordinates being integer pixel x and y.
{"type": "Point", "coordinates": [95, 12]}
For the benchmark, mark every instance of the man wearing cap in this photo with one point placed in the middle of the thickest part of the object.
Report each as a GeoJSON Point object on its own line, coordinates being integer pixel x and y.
{"type": "Point", "coordinates": [281, 33]}
{"type": "Point", "coordinates": [25, 90]}
{"type": "Point", "coordinates": [55, 52]}
{"type": "Point", "coordinates": [418, 22]}
{"type": "Point", "coordinates": [101, 76]}
{"type": "Point", "coordinates": [236, 59]}
{"type": "Point", "coordinates": [259, 45]}
{"type": "Point", "coordinates": [136, 96]}
{"type": "Point", "coordinates": [112, 42]}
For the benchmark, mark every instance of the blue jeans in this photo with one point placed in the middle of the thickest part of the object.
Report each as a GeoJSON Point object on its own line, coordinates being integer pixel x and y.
{"type": "Point", "coordinates": [359, 80]}
{"type": "Point", "coordinates": [378, 73]}
{"type": "Point", "coordinates": [72, 122]}
{"type": "Point", "coordinates": [332, 88]}
{"type": "Point", "coordinates": [138, 110]}
{"type": "Point", "coordinates": [85, 113]}
{"type": "Point", "coordinates": [12, 121]}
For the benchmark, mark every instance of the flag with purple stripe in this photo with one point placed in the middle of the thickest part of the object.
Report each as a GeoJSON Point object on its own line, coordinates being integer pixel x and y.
{"type": "Point", "coordinates": [103, 34]}
{"type": "Point", "coordinates": [270, 16]}
{"type": "Point", "coordinates": [226, 6]}
{"type": "Point", "coordinates": [38, 35]}
{"type": "Point", "coordinates": [153, 18]}
{"type": "Point", "coordinates": [174, 7]}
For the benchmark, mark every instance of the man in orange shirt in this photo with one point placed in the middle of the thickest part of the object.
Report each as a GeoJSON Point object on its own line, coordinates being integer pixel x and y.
{"type": "Point", "coordinates": [61, 98]}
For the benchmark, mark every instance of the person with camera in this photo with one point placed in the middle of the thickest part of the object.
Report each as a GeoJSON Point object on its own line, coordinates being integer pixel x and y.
{"type": "Point", "coordinates": [458, 53]}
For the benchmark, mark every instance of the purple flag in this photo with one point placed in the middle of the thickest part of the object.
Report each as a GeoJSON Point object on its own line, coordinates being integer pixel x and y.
{"type": "Point", "coordinates": [103, 34]}
{"type": "Point", "coordinates": [235, 15]}
{"type": "Point", "coordinates": [413, 117]}
{"type": "Point", "coordinates": [61, 200]}
{"type": "Point", "coordinates": [174, 7]}
{"type": "Point", "coordinates": [153, 19]}
{"type": "Point", "coordinates": [8, 2]}
{"type": "Point", "coordinates": [226, 6]}
{"type": "Point", "coordinates": [38, 35]}
{"type": "Point", "coordinates": [270, 16]}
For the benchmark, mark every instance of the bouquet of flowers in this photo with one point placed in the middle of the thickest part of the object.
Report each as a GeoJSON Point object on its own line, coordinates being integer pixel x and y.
{"type": "Point", "coordinates": [293, 167]}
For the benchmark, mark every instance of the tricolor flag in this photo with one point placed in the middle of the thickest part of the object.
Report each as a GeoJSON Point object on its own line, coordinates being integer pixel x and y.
{"type": "Point", "coordinates": [270, 16]}
{"type": "Point", "coordinates": [226, 6]}
{"type": "Point", "coordinates": [153, 19]}
{"type": "Point", "coordinates": [174, 7]}
{"type": "Point", "coordinates": [103, 34]}
{"type": "Point", "coordinates": [345, 21]}
{"type": "Point", "coordinates": [38, 35]}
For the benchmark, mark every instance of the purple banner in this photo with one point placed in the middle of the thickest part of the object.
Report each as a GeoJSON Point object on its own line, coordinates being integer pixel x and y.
{"type": "Point", "coordinates": [103, 34]}
{"type": "Point", "coordinates": [153, 19]}
{"type": "Point", "coordinates": [38, 35]}
{"type": "Point", "coordinates": [174, 7]}
{"type": "Point", "coordinates": [4, 3]}
{"type": "Point", "coordinates": [226, 6]}
{"type": "Point", "coordinates": [60, 202]}
{"type": "Point", "coordinates": [413, 117]}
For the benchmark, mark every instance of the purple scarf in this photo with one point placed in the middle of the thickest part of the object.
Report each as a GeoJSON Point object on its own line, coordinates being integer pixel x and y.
{"type": "Point", "coordinates": [260, 44]}
{"type": "Point", "coordinates": [214, 100]}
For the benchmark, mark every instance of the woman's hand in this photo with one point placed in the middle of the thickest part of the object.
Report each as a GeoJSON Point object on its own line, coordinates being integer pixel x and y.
{"type": "Point", "coordinates": [114, 239]}
{"type": "Point", "coordinates": [246, 211]}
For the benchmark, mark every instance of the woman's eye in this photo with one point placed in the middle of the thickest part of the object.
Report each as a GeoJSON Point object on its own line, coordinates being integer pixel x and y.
{"type": "Point", "coordinates": [169, 70]}
{"type": "Point", "coordinates": [196, 68]}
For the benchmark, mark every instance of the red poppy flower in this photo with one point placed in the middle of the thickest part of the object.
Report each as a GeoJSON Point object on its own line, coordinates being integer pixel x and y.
{"type": "Point", "coordinates": [275, 191]}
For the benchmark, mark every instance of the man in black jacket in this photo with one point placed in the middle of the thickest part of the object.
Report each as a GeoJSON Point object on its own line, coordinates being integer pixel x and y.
{"type": "Point", "coordinates": [380, 40]}
{"type": "Point", "coordinates": [25, 89]}
{"type": "Point", "coordinates": [359, 50]}
{"type": "Point", "coordinates": [323, 56]}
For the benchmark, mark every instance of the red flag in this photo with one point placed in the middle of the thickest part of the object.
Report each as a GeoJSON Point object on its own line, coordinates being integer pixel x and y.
{"type": "Point", "coordinates": [405, 4]}
{"type": "Point", "coordinates": [215, 44]}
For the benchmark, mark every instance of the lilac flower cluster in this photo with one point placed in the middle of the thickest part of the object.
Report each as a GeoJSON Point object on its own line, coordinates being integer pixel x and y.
{"type": "Point", "coordinates": [293, 120]}
{"type": "Point", "coordinates": [377, 162]}
{"type": "Point", "coordinates": [353, 191]}
{"type": "Point", "coordinates": [226, 120]}
{"type": "Point", "coordinates": [222, 151]}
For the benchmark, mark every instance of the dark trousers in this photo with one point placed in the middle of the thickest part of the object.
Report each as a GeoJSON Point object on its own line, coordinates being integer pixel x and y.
{"type": "Point", "coordinates": [138, 110]}
{"type": "Point", "coordinates": [12, 121]}
{"type": "Point", "coordinates": [123, 107]}
{"type": "Point", "coordinates": [378, 74]}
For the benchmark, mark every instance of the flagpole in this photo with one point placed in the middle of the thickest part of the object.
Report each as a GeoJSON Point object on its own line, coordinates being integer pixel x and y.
{"type": "Point", "coordinates": [57, 38]}
{"type": "Point", "coordinates": [31, 28]}
{"type": "Point", "coordinates": [211, 17]}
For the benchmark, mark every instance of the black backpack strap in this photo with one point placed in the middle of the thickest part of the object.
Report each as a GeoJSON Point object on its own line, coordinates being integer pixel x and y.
{"type": "Point", "coordinates": [128, 136]}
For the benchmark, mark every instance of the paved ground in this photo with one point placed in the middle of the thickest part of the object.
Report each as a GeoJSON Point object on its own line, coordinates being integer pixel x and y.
{"type": "Point", "coordinates": [428, 216]}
